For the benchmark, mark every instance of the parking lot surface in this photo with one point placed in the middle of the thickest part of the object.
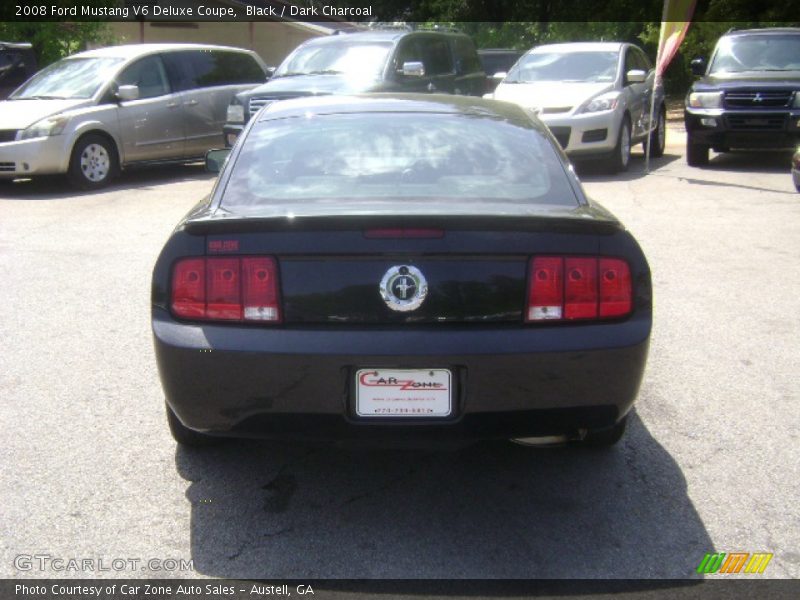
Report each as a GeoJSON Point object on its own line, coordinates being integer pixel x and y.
{"type": "Point", "coordinates": [709, 463]}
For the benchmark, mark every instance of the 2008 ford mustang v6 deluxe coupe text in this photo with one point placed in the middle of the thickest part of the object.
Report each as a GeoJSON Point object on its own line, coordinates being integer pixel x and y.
{"type": "Point", "coordinates": [400, 268]}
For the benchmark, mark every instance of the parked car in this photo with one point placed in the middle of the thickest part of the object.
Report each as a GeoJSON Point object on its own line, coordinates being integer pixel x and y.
{"type": "Point", "coordinates": [93, 113]}
{"type": "Point", "coordinates": [796, 169]}
{"type": "Point", "coordinates": [371, 61]}
{"type": "Point", "coordinates": [496, 63]}
{"type": "Point", "coordinates": [17, 63]}
{"type": "Point", "coordinates": [595, 97]}
{"type": "Point", "coordinates": [747, 97]}
{"type": "Point", "coordinates": [399, 267]}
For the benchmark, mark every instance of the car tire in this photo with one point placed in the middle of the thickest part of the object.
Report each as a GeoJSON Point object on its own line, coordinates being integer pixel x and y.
{"type": "Point", "coordinates": [188, 437]}
{"type": "Point", "coordinates": [621, 155]}
{"type": "Point", "coordinates": [94, 162]}
{"type": "Point", "coordinates": [604, 438]}
{"type": "Point", "coordinates": [658, 137]}
{"type": "Point", "coordinates": [696, 154]}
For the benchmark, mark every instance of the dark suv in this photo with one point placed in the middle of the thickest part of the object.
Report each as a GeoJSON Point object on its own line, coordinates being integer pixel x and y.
{"type": "Point", "coordinates": [748, 96]}
{"type": "Point", "coordinates": [17, 64]}
{"type": "Point", "coordinates": [370, 61]}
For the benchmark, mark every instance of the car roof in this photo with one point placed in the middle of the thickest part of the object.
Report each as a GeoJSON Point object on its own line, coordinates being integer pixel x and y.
{"type": "Point", "coordinates": [764, 31]}
{"type": "Point", "coordinates": [310, 106]}
{"type": "Point", "coordinates": [136, 50]}
{"type": "Point", "coordinates": [581, 47]}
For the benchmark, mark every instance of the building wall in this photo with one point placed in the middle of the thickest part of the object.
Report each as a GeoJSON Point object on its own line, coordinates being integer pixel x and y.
{"type": "Point", "coordinates": [271, 40]}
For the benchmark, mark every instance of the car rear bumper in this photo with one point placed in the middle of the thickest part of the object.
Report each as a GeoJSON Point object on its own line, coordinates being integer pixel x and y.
{"type": "Point", "coordinates": [38, 156]}
{"type": "Point", "coordinates": [298, 383]}
{"type": "Point", "coordinates": [739, 129]}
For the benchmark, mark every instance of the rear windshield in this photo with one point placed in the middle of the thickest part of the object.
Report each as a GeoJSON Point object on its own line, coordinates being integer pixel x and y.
{"type": "Point", "coordinates": [69, 78]}
{"type": "Point", "coordinates": [373, 158]}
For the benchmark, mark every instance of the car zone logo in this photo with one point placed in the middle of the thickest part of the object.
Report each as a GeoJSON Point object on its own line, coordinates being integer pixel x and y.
{"type": "Point", "coordinates": [374, 379]}
{"type": "Point", "coordinates": [734, 562]}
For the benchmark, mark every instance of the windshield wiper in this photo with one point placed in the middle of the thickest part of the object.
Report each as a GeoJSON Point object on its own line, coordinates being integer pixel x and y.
{"type": "Point", "coordinates": [297, 73]}
{"type": "Point", "coordinates": [39, 98]}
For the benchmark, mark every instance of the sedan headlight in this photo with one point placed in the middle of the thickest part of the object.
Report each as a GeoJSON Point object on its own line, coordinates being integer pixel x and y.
{"type": "Point", "coordinates": [705, 100]}
{"type": "Point", "coordinates": [601, 103]}
{"type": "Point", "coordinates": [235, 113]}
{"type": "Point", "coordinates": [45, 128]}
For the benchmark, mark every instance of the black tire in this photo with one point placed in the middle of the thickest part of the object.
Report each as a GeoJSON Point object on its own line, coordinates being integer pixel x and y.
{"type": "Point", "coordinates": [604, 438]}
{"type": "Point", "coordinates": [94, 162]}
{"type": "Point", "coordinates": [621, 156]}
{"type": "Point", "coordinates": [188, 437]}
{"type": "Point", "coordinates": [696, 154]}
{"type": "Point", "coordinates": [658, 137]}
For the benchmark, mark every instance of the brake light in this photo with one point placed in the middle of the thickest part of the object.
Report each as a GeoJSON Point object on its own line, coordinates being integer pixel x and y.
{"type": "Point", "coordinates": [226, 289]}
{"type": "Point", "coordinates": [569, 288]}
{"type": "Point", "coordinates": [403, 233]}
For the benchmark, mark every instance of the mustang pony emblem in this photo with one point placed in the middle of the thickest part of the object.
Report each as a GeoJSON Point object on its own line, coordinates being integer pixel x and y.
{"type": "Point", "coordinates": [403, 288]}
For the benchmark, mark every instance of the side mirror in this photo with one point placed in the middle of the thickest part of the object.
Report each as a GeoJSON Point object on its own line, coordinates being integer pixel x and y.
{"type": "Point", "coordinates": [636, 76]}
{"type": "Point", "coordinates": [500, 75]}
{"type": "Point", "coordinates": [413, 69]}
{"type": "Point", "coordinates": [271, 72]}
{"type": "Point", "coordinates": [215, 159]}
{"type": "Point", "coordinates": [698, 66]}
{"type": "Point", "coordinates": [128, 92]}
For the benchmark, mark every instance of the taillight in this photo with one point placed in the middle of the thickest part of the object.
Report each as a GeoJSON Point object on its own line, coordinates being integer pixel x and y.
{"type": "Point", "coordinates": [568, 288]}
{"type": "Point", "coordinates": [226, 289]}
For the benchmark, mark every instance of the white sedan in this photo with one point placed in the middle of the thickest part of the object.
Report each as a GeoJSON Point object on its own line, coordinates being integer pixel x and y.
{"type": "Point", "coordinates": [594, 96]}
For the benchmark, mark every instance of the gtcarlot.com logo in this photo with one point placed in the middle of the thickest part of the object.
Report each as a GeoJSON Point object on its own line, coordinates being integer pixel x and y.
{"type": "Point", "coordinates": [47, 562]}
{"type": "Point", "coordinates": [734, 562]}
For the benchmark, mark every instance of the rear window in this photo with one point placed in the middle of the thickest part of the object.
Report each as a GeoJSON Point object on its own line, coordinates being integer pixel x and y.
{"type": "Point", "coordinates": [462, 161]}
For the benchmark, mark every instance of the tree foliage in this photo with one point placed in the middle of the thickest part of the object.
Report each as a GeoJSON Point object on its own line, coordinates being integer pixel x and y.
{"type": "Point", "coordinates": [54, 40]}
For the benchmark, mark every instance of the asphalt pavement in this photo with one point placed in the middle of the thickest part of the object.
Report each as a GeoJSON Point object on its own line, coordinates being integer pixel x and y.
{"type": "Point", "coordinates": [709, 463]}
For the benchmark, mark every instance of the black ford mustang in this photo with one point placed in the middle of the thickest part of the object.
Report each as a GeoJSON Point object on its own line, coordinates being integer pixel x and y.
{"type": "Point", "coordinates": [400, 268]}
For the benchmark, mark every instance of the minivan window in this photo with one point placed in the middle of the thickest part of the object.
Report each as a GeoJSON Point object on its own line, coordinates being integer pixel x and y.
{"type": "Point", "coordinates": [212, 68]}
{"type": "Point", "coordinates": [69, 78]}
{"type": "Point", "coordinates": [148, 74]}
{"type": "Point", "coordinates": [364, 59]}
{"type": "Point", "coordinates": [238, 67]}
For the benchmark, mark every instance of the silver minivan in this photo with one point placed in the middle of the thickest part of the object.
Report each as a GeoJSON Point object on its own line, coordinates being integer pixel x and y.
{"type": "Point", "coordinates": [93, 113]}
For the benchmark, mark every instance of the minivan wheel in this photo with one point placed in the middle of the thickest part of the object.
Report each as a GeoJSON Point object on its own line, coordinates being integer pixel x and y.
{"type": "Point", "coordinates": [188, 437]}
{"type": "Point", "coordinates": [696, 154]}
{"type": "Point", "coordinates": [94, 162]}
{"type": "Point", "coordinates": [621, 156]}
{"type": "Point", "coordinates": [658, 137]}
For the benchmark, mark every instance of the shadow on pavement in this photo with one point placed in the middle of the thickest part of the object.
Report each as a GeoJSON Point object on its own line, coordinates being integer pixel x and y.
{"type": "Point", "coordinates": [492, 510]}
{"type": "Point", "coordinates": [595, 170]}
{"type": "Point", "coordinates": [57, 187]}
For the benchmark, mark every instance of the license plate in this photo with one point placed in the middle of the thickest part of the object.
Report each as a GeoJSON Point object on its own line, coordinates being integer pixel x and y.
{"type": "Point", "coordinates": [404, 393]}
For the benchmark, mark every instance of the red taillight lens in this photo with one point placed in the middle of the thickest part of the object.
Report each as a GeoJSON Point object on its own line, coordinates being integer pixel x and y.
{"type": "Point", "coordinates": [616, 295]}
{"type": "Point", "coordinates": [578, 288]}
{"type": "Point", "coordinates": [189, 288]}
{"type": "Point", "coordinates": [226, 289]}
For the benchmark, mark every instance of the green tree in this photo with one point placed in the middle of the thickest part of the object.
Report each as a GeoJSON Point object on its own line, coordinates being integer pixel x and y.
{"type": "Point", "coordinates": [53, 40]}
